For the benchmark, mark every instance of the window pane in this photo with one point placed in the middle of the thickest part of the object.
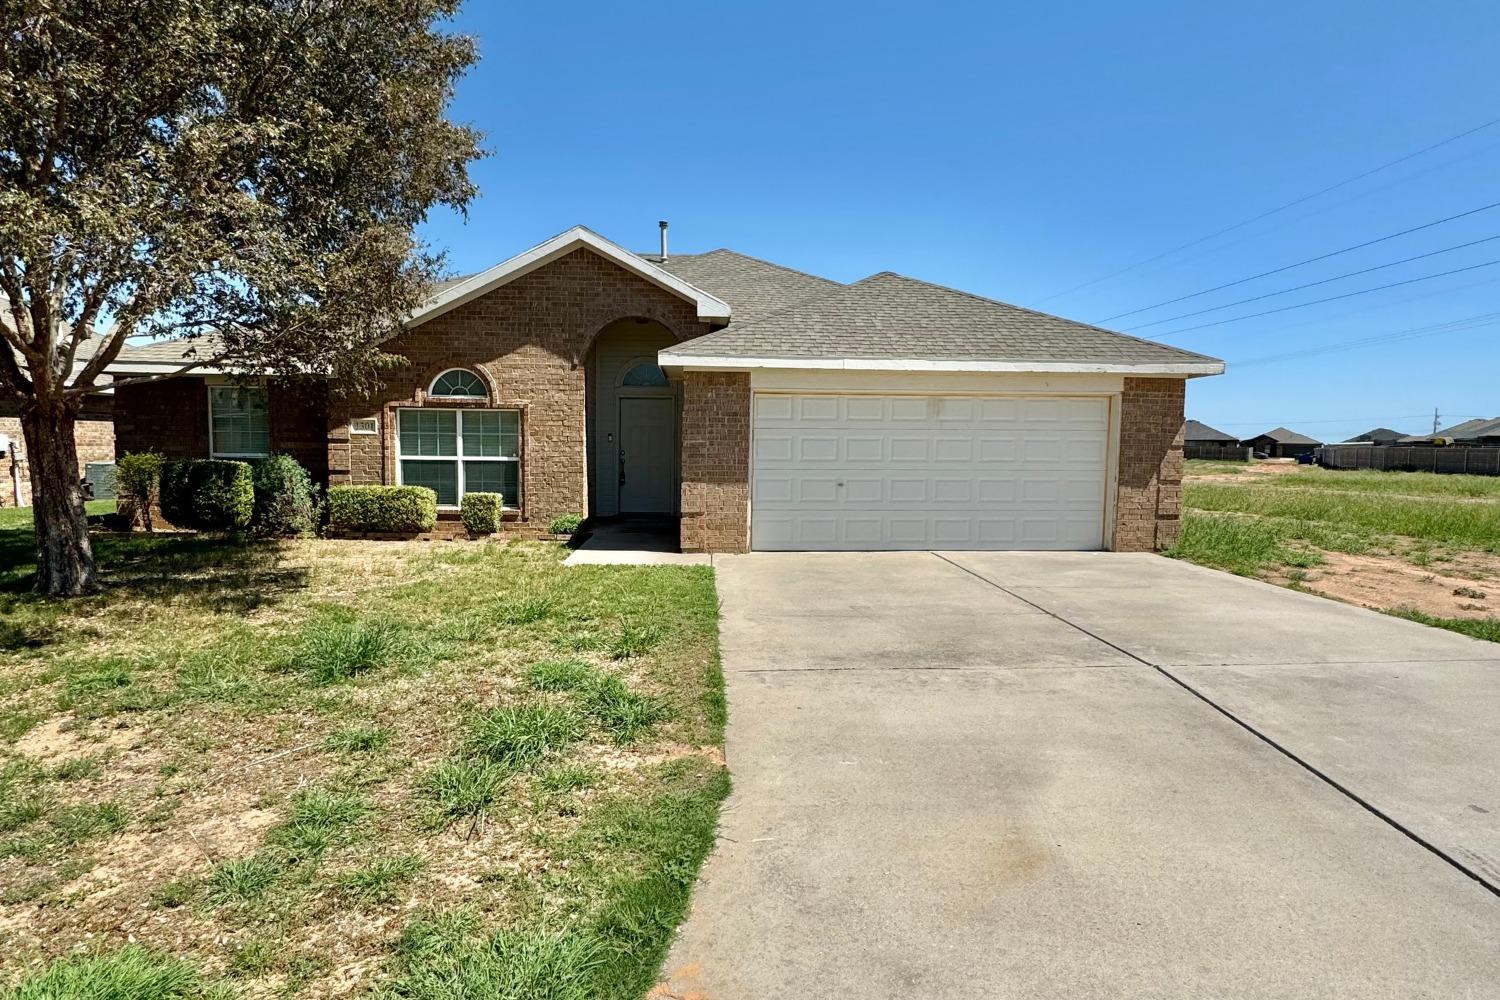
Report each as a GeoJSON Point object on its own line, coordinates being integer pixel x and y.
{"type": "Point", "coordinates": [492, 433]}
{"type": "Point", "coordinates": [646, 373]}
{"type": "Point", "coordinates": [428, 432]}
{"type": "Point", "coordinates": [458, 383]}
{"type": "Point", "coordinates": [440, 477]}
{"type": "Point", "coordinates": [239, 420]}
{"type": "Point", "coordinates": [494, 477]}
{"type": "Point", "coordinates": [482, 434]}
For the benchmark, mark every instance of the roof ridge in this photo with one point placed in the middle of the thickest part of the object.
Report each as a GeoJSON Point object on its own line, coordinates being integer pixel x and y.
{"type": "Point", "coordinates": [1035, 312]}
{"type": "Point", "coordinates": [771, 263]}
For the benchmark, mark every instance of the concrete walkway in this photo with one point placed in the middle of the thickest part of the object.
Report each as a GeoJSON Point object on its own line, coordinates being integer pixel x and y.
{"type": "Point", "coordinates": [1091, 776]}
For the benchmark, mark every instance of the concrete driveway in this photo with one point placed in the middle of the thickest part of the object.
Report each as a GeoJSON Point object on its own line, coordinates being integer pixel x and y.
{"type": "Point", "coordinates": [1091, 775]}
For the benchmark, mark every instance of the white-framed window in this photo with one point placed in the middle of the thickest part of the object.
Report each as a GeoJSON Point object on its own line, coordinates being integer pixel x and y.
{"type": "Point", "coordinates": [458, 383]}
{"type": "Point", "coordinates": [238, 426]}
{"type": "Point", "coordinates": [454, 452]}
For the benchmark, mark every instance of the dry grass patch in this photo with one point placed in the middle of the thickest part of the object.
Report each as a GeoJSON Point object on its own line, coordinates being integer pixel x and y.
{"type": "Point", "coordinates": [330, 768]}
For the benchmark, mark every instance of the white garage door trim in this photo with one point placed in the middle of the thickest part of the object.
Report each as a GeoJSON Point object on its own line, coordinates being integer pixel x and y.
{"type": "Point", "coordinates": [849, 471]}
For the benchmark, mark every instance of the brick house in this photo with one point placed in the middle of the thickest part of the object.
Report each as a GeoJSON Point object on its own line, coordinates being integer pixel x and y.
{"type": "Point", "coordinates": [95, 440]}
{"type": "Point", "coordinates": [762, 407]}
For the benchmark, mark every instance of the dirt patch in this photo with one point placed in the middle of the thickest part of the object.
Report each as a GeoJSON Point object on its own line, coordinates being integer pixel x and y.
{"type": "Point", "coordinates": [1251, 471]}
{"type": "Point", "coordinates": [1386, 581]}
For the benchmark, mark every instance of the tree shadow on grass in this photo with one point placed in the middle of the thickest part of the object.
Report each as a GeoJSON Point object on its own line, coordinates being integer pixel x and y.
{"type": "Point", "coordinates": [225, 574]}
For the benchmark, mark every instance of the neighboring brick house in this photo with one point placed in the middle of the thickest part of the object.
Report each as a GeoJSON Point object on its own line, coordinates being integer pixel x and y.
{"type": "Point", "coordinates": [762, 407]}
{"type": "Point", "coordinates": [1279, 442]}
{"type": "Point", "coordinates": [95, 440]}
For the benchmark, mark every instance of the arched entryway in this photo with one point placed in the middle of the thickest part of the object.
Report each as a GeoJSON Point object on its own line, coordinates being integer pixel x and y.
{"type": "Point", "coordinates": [633, 420]}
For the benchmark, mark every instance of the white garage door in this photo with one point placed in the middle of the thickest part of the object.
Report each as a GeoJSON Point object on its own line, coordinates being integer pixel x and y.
{"type": "Point", "coordinates": [922, 472]}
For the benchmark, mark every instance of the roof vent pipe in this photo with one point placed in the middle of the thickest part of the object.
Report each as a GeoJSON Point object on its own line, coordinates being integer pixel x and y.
{"type": "Point", "coordinates": [662, 225]}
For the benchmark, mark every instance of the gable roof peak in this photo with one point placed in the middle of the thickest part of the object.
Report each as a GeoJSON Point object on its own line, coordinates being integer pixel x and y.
{"type": "Point", "coordinates": [451, 296]}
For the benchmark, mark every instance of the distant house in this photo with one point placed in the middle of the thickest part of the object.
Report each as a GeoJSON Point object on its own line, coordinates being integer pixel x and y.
{"type": "Point", "coordinates": [1282, 443]}
{"type": "Point", "coordinates": [1195, 431]}
{"type": "Point", "coordinates": [1478, 431]}
{"type": "Point", "coordinates": [1202, 441]}
{"type": "Point", "coordinates": [1379, 435]}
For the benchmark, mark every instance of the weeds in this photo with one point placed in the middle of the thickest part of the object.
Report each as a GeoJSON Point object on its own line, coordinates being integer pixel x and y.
{"type": "Point", "coordinates": [377, 881]}
{"type": "Point", "coordinates": [462, 789]}
{"type": "Point", "coordinates": [335, 647]}
{"type": "Point", "coordinates": [357, 738]}
{"type": "Point", "coordinates": [319, 819]}
{"type": "Point", "coordinates": [127, 974]}
{"type": "Point", "coordinates": [518, 736]}
{"type": "Point", "coordinates": [243, 879]}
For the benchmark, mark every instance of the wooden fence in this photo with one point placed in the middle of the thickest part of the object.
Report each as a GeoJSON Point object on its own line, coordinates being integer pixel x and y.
{"type": "Point", "coordinates": [1411, 458]}
{"type": "Point", "coordinates": [1216, 451]}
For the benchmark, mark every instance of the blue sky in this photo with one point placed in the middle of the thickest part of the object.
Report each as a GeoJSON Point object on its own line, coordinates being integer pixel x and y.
{"type": "Point", "coordinates": [1019, 151]}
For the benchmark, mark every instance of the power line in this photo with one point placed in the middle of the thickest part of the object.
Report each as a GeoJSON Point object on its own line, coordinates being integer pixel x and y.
{"type": "Point", "coordinates": [1280, 208]}
{"type": "Point", "coordinates": [1314, 284]}
{"type": "Point", "coordinates": [1331, 298]}
{"type": "Point", "coordinates": [1303, 263]}
{"type": "Point", "coordinates": [1368, 192]}
{"type": "Point", "coordinates": [1452, 326]}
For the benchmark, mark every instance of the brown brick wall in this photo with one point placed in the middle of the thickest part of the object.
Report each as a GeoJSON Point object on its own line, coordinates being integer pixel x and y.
{"type": "Point", "coordinates": [94, 436]}
{"type": "Point", "coordinates": [170, 417]}
{"type": "Point", "coordinates": [715, 462]}
{"type": "Point", "coordinates": [1148, 504]}
{"type": "Point", "coordinates": [528, 340]}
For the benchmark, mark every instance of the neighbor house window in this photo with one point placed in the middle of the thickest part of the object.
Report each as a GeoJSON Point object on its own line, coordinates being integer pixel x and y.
{"type": "Point", "coordinates": [458, 383]}
{"type": "Point", "coordinates": [460, 451]}
{"type": "Point", "coordinates": [237, 423]}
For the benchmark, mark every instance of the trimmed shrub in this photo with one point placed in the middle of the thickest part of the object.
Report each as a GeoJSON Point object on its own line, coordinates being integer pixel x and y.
{"type": "Point", "coordinates": [481, 512]}
{"type": "Point", "coordinates": [396, 509]}
{"type": "Point", "coordinates": [285, 503]}
{"type": "Point", "coordinates": [137, 479]}
{"type": "Point", "coordinates": [208, 494]}
{"type": "Point", "coordinates": [565, 524]}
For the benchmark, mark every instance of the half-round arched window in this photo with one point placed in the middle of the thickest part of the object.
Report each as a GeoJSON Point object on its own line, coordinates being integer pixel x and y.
{"type": "Point", "coordinates": [646, 373]}
{"type": "Point", "coordinates": [458, 383]}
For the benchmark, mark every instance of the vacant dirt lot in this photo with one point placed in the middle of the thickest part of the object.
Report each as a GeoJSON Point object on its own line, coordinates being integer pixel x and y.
{"type": "Point", "coordinates": [1404, 542]}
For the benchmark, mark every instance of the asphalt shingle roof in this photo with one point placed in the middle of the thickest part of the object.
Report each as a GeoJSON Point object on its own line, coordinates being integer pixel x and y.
{"type": "Point", "coordinates": [1195, 430]}
{"type": "Point", "coordinates": [1283, 436]}
{"type": "Point", "coordinates": [1377, 435]}
{"type": "Point", "coordinates": [753, 288]}
{"type": "Point", "coordinates": [889, 316]}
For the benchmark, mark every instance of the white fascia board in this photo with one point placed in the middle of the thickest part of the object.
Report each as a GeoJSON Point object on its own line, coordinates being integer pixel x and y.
{"type": "Point", "coordinates": [709, 307]}
{"type": "Point", "coordinates": [1184, 369]}
{"type": "Point", "coordinates": [186, 366]}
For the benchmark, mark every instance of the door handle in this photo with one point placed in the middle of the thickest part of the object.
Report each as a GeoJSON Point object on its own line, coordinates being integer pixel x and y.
{"type": "Point", "coordinates": [622, 466]}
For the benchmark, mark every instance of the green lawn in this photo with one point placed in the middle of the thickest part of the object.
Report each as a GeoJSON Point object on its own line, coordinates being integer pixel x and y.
{"type": "Point", "coordinates": [418, 770]}
{"type": "Point", "coordinates": [1372, 514]}
{"type": "Point", "coordinates": [1281, 526]}
{"type": "Point", "coordinates": [1373, 481]}
{"type": "Point", "coordinates": [13, 518]}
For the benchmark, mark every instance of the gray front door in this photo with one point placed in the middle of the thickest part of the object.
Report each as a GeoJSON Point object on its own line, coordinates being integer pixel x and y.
{"type": "Point", "coordinates": [648, 442]}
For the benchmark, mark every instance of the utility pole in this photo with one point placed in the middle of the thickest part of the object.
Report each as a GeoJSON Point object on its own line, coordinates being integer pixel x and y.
{"type": "Point", "coordinates": [1435, 421]}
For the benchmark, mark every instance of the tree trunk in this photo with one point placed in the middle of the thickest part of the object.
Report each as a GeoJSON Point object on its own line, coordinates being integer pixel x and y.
{"type": "Point", "coordinates": [64, 558]}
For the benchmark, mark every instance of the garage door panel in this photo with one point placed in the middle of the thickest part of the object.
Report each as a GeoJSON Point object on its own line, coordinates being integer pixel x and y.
{"type": "Point", "coordinates": [914, 472]}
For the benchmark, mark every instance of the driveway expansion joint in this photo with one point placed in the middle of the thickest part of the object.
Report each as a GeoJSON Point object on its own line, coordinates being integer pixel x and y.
{"type": "Point", "coordinates": [1492, 887]}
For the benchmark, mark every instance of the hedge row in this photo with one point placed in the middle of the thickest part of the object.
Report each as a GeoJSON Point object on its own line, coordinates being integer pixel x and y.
{"type": "Point", "coordinates": [272, 496]}
{"type": "Point", "coordinates": [208, 494]}
{"type": "Point", "coordinates": [385, 509]}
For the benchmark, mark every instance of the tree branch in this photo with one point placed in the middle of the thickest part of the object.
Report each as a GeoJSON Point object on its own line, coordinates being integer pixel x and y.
{"type": "Point", "coordinates": [11, 374]}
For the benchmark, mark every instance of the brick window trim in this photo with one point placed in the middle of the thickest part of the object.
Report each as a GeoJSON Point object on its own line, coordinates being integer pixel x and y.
{"type": "Point", "coordinates": [421, 401]}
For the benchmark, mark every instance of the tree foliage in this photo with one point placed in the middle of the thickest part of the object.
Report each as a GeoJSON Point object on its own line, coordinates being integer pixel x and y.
{"type": "Point", "coordinates": [246, 173]}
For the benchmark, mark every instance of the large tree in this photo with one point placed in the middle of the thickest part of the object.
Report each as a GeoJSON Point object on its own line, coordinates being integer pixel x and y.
{"type": "Point", "coordinates": [245, 172]}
